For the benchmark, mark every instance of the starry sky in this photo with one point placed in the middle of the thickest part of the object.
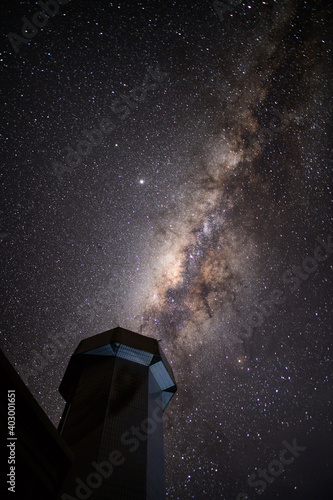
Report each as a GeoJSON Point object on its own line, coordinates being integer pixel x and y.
{"type": "Point", "coordinates": [166, 167]}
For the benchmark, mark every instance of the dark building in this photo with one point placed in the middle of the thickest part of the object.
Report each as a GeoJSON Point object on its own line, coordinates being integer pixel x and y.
{"type": "Point", "coordinates": [36, 459]}
{"type": "Point", "coordinates": [116, 386]}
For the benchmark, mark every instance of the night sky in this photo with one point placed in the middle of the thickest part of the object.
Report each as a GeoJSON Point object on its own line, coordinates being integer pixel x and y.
{"type": "Point", "coordinates": [166, 167]}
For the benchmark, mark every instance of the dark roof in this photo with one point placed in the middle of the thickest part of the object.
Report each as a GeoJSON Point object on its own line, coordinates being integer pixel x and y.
{"type": "Point", "coordinates": [108, 344]}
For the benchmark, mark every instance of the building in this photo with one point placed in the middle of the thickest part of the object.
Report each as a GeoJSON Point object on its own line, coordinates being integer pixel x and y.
{"type": "Point", "coordinates": [36, 458]}
{"type": "Point", "coordinates": [117, 385]}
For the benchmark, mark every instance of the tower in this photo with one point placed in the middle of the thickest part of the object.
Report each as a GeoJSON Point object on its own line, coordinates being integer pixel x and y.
{"type": "Point", "coordinates": [116, 386]}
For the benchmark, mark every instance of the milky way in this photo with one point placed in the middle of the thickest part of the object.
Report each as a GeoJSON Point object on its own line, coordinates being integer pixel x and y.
{"type": "Point", "coordinates": [196, 285]}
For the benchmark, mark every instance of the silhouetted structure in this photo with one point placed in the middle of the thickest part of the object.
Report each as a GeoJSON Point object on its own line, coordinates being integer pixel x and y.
{"type": "Point", "coordinates": [40, 457]}
{"type": "Point", "coordinates": [116, 385]}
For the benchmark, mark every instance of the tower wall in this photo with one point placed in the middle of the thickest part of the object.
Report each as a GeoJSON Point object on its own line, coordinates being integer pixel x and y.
{"type": "Point", "coordinates": [113, 420]}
